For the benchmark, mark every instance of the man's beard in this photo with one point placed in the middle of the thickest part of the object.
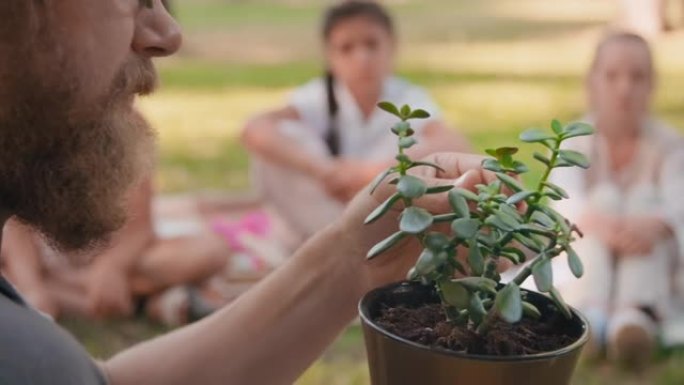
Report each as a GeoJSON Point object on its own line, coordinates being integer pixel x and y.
{"type": "Point", "coordinates": [67, 164]}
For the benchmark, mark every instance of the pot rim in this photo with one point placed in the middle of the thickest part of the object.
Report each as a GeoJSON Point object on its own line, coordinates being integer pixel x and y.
{"type": "Point", "coordinates": [363, 307]}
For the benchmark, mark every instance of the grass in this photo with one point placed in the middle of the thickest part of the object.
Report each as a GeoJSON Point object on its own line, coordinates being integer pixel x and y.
{"type": "Point", "coordinates": [495, 66]}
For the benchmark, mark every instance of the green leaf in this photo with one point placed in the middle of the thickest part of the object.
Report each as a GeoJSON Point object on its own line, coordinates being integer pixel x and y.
{"type": "Point", "coordinates": [428, 164]}
{"type": "Point", "coordinates": [562, 163]}
{"type": "Point", "coordinates": [405, 111]}
{"type": "Point", "coordinates": [380, 178]}
{"type": "Point", "coordinates": [509, 304]}
{"type": "Point", "coordinates": [467, 194]}
{"type": "Point", "coordinates": [502, 152]}
{"type": "Point", "coordinates": [494, 187]}
{"type": "Point", "coordinates": [407, 142]}
{"type": "Point", "coordinates": [557, 189]}
{"type": "Point", "coordinates": [553, 196]}
{"type": "Point", "coordinates": [560, 302]}
{"type": "Point", "coordinates": [445, 217]}
{"type": "Point", "coordinates": [385, 244]}
{"type": "Point", "coordinates": [458, 266]}
{"type": "Point", "coordinates": [465, 228]}
{"type": "Point", "coordinates": [511, 257]}
{"type": "Point", "coordinates": [510, 211]}
{"type": "Point", "coordinates": [543, 275]}
{"type": "Point", "coordinates": [556, 126]}
{"type": "Point", "coordinates": [476, 309]}
{"type": "Point", "coordinates": [415, 220]}
{"type": "Point", "coordinates": [389, 107]}
{"type": "Point", "coordinates": [510, 217]}
{"type": "Point", "coordinates": [531, 311]}
{"type": "Point", "coordinates": [543, 219]}
{"type": "Point", "coordinates": [502, 221]}
{"type": "Point", "coordinates": [556, 216]}
{"type": "Point", "coordinates": [455, 294]}
{"type": "Point", "coordinates": [419, 114]}
{"type": "Point", "coordinates": [475, 259]}
{"type": "Point", "coordinates": [402, 129]}
{"type": "Point", "coordinates": [528, 242]}
{"type": "Point", "coordinates": [492, 152]}
{"type": "Point", "coordinates": [519, 167]}
{"type": "Point", "coordinates": [574, 157]}
{"type": "Point", "coordinates": [436, 241]}
{"type": "Point", "coordinates": [577, 129]}
{"type": "Point", "coordinates": [412, 187]}
{"type": "Point", "coordinates": [528, 229]}
{"type": "Point", "coordinates": [509, 181]}
{"type": "Point", "coordinates": [382, 209]}
{"type": "Point", "coordinates": [427, 263]}
{"type": "Point", "coordinates": [542, 158]}
{"type": "Point", "coordinates": [403, 158]}
{"type": "Point", "coordinates": [517, 254]}
{"type": "Point", "coordinates": [492, 165]}
{"type": "Point", "coordinates": [505, 156]}
{"type": "Point", "coordinates": [487, 238]}
{"type": "Point", "coordinates": [496, 221]}
{"type": "Point", "coordinates": [535, 136]}
{"type": "Point", "coordinates": [477, 284]}
{"type": "Point", "coordinates": [439, 189]}
{"type": "Point", "coordinates": [520, 196]}
{"type": "Point", "coordinates": [575, 263]}
{"type": "Point", "coordinates": [458, 203]}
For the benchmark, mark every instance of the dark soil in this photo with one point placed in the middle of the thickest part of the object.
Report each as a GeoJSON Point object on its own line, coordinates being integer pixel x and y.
{"type": "Point", "coordinates": [427, 325]}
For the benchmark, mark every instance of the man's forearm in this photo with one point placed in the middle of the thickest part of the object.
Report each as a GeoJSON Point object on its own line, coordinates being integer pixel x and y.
{"type": "Point", "coordinates": [268, 336]}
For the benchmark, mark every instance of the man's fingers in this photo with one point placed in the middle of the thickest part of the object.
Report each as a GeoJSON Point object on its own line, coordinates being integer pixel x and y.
{"type": "Point", "coordinates": [458, 170]}
{"type": "Point", "coordinates": [438, 203]}
{"type": "Point", "coordinates": [453, 164]}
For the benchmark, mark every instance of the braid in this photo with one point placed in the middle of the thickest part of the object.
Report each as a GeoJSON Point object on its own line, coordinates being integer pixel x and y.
{"type": "Point", "coordinates": [332, 138]}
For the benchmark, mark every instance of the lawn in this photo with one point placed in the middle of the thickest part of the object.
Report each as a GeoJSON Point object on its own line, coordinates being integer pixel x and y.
{"type": "Point", "coordinates": [495, 66]}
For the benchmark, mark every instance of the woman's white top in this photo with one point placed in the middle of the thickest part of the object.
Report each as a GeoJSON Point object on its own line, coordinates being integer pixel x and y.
{"type": "Point", "coordinates": [360, 138]}
{"type": "Point", "coordinates": [302, 202]}
{"type": "Point", "coordinates": [652, 183]}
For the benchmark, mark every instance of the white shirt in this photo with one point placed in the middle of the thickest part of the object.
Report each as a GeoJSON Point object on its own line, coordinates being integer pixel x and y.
{"type": "Point", "coordinates": [300, 201]}
{"type": "Point", "coordinates": [360, 138]}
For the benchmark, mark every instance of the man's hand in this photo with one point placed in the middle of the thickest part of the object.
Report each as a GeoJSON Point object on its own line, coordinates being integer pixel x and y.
{"type": "Point", "coordinates": [461, 170]}
{"type": "Point", "coordinates": [314, 294]}
{"type": "Point", "coordinates": [108, 291]}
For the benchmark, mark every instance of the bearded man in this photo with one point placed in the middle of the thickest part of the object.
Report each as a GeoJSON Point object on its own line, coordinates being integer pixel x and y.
{"type": "Point", "coordinates": [71, 145]}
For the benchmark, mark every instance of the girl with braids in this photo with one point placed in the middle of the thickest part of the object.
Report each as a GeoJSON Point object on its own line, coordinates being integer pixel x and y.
{"type": "Point", "coordinates": [314, 154]}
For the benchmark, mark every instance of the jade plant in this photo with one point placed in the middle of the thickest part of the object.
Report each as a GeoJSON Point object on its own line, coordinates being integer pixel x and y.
{"type": "Point", "coordinates": [502, 221]}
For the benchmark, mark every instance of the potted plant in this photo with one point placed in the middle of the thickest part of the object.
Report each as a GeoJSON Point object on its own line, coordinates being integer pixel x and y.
{"type": "Point", "coordinates": [454, 322]}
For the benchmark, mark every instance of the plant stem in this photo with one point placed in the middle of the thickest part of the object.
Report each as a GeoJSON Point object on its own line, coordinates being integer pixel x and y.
{"type": "Point", "coordinates": [486, 324]}
{"type": "Point", "coordinates": [545, 177]}
{"type": "Point", "coordinates": [527, 270]}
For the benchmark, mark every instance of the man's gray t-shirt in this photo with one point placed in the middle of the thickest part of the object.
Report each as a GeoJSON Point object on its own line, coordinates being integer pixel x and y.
{"type": "Point", "coordinates": [35, 351]}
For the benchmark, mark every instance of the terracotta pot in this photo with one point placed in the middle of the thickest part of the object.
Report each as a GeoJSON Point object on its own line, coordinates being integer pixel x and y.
{"type": "Point", "coordinates": [397, 361]}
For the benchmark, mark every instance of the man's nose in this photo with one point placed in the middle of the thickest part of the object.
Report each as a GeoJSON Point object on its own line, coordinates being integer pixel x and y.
{"type": "Point", "coordinates": [157, 34]}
